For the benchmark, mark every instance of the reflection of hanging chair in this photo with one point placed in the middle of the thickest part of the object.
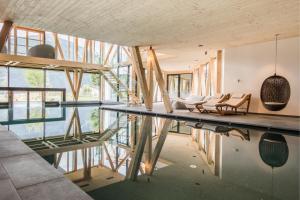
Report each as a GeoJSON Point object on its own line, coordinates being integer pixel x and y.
{"type": "Point", "coordinates": [275, 93]}
{"type": "Point", "coordinates": [275, 90]}
{"type": "Point", "coordinates": [273, 149]}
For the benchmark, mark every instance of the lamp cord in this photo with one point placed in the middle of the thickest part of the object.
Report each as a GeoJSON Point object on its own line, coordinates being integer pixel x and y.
{"type": "Point", "coordinates": [276, 37]}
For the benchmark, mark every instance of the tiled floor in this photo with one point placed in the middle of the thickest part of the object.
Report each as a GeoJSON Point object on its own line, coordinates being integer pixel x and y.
{"type": "Point", "coordinates": [25, 175]}
{"type": "Point", "coordinates": [256, 120]}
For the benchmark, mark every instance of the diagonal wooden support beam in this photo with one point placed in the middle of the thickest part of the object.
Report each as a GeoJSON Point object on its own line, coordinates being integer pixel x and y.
{"type": "Point", "coordinates": [139, 70]}
{"type": "Point", "coordinates": [78, 84]}
{"type": "Point", "coordinates": [67, 71]}
{"type": "Point", "coordinates": [160, 81]}
{"type": "Point", "coordinates": [6, 28]}
{"type": "Point", "coordinates": [108, 54]}
{"type": "Point", "coordinates": [122, 161]}
{"type": "Point", "coordinates": [58, 46]}
{"type": "Point", "coordinates": [139, 149]}
{"type": "Point", "coordinates": [160, 143]}
{"type": "Point", "coordinates": [74, 120]}
{"type": "Point", "coordinates": [109, 158]}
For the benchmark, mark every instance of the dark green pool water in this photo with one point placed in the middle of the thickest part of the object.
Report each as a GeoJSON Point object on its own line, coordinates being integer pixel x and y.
{"type": "Point", "coordinates": [113, 155]}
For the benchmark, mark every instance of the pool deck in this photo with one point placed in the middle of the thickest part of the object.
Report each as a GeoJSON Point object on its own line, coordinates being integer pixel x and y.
{"type": "Point", "coordinates": [271, 122]}
{"type": "Point", "coordinates": [27, 176]}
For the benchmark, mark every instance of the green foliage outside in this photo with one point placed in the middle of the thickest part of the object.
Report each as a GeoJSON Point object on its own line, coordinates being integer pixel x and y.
{"type": "Point", "coordinates": [94, 119]}
{"type": "Point", "coordinates": [34, 78]}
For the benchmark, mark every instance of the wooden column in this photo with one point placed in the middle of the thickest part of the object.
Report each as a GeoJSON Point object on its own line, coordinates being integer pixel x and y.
{"type": "Point", "coordinates": [160, 81]}
{"type": "Point", "coordinates": [139, 70]}
{"type": "Point", "coordinates": [7, 25]}
{"type": "Point", "coordinates": [219, 72]}
{"type": "Point", "coordinates": [150, 79]}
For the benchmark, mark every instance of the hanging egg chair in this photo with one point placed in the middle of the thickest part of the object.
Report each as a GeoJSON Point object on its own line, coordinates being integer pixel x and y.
{"type": "Point", "coordinates": [273, 149]}
{"type": "Point", "coordinates": [275, 91]}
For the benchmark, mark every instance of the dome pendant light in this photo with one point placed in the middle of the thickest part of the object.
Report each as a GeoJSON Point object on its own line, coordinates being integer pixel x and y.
{"type": "Point", "coordinates": [275, 91]}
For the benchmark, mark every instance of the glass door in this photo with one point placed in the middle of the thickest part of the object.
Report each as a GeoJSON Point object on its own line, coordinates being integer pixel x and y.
{"type": "Point", "coordinates": [179, 85]}
{"type": "Point", "coordinates": [173, 85]}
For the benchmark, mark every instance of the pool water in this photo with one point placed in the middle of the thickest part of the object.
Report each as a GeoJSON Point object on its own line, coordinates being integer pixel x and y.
{"type": "Point", "coordinates": [115, 155]}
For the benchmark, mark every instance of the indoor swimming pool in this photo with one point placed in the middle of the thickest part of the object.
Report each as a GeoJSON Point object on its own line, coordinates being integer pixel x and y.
{"type": "Point", "coordinates": [117, 155]}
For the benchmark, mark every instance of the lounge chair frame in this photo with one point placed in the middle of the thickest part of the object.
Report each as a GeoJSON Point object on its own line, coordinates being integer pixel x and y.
{"type": "Point", "coordinates": [225, 108]}
{"type": "Point", "coordinates": [201, 109]}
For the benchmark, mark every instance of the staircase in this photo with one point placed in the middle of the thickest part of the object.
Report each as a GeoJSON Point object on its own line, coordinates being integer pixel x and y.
{"type": "Point", "coordinates": [120, 88]}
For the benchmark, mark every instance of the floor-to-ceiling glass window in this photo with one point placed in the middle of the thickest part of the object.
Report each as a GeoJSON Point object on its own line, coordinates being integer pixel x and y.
{"type": "Point", "coordinates": [179, 85]}
{"type": "Point", "coordinates": [89, 90]}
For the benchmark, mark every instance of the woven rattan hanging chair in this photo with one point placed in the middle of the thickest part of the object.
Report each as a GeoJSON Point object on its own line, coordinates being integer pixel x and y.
{"type": "Point", "coordinates": [275, 91]}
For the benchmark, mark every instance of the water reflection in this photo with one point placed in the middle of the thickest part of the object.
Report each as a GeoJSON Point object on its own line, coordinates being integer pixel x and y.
{"type": "Point", "coordinates": [106, 152]}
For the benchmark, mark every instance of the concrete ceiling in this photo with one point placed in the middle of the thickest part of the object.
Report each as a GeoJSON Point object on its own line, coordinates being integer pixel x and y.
{"type": "Point", "coordinates": [174, 27]}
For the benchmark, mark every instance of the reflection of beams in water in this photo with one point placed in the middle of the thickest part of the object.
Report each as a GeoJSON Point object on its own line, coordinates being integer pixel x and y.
{"type": "Point", "coordinates": [29, 120]}
{"type": "Point", "coordinates": [56, 144]}
{"type": "Point", "coordinates": [144, 133]}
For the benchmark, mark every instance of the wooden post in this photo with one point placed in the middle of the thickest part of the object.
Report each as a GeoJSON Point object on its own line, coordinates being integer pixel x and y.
{"type": "Point", "coordinates": [150, 79]}
{"type": "Point", "coordinates": [139, 70]}
{"type": "Point", "coordinates": [160, 81]}
{"type": "Point", "coordinates": [208, 81]}
{"type": "Point", "coordinates": [219, 72]}
{"type": "Point", "coordinates": [7, 25]}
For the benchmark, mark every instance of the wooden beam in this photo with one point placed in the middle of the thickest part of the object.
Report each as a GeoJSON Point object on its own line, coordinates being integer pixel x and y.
{"type": "Point", "coordinates": [160, 81]}
{"type": "Point", "coordinates": [150, 79]}
{"type": "Point", "coordinates": [139, 70]}
{"type": "Point", "coordinates": [70, 82]}
{"type": "Point", "coordinates": [139, 149]}
{"type": "Point", "coordinates": [127, 53]}
{"type": "Point", "coordinates": [108, 54]}
{"type": "Point", "coordinates": [41, 63]}
{"type": "Point", "coordinates": [219, 72]}
{"type": "Point", "coordinates": [109, 158]}
{"type": "Point", "coordinates": [6, 28]}
{"type": "Point", "coordinates": [78, 84]}
{"type": "Point", "coordinates": [58, 46]}
{"type": "Point", "coordinates": [208, 81]}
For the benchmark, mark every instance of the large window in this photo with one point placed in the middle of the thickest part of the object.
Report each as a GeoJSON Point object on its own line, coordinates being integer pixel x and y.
{"type": "Point", "coordinates": [67, 48]}
{"type": "Point", "coordinates": [89, 87]}
{"type": "Point", "coordinates": [3, 83]}
{"type": "Point", "coordinates": [21, 77]}
{"type": "Point", "coordinates": [179, 85]}
{"type": "Point", "coordinates": [57, 79]}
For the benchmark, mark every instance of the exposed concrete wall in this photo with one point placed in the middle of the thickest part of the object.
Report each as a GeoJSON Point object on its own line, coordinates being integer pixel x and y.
{"type": "Point", "coordinates": [252, 64]}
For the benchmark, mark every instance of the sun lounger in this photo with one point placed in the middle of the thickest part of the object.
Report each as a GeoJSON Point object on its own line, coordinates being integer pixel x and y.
{"type": "Point", "coordinates": [238, 103]}
{"type": "Point", "coordinates": [210, 104]}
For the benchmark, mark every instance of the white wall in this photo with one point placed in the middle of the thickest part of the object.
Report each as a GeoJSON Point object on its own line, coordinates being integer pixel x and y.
{"type": "Point", "coordinates": [252, 64]}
